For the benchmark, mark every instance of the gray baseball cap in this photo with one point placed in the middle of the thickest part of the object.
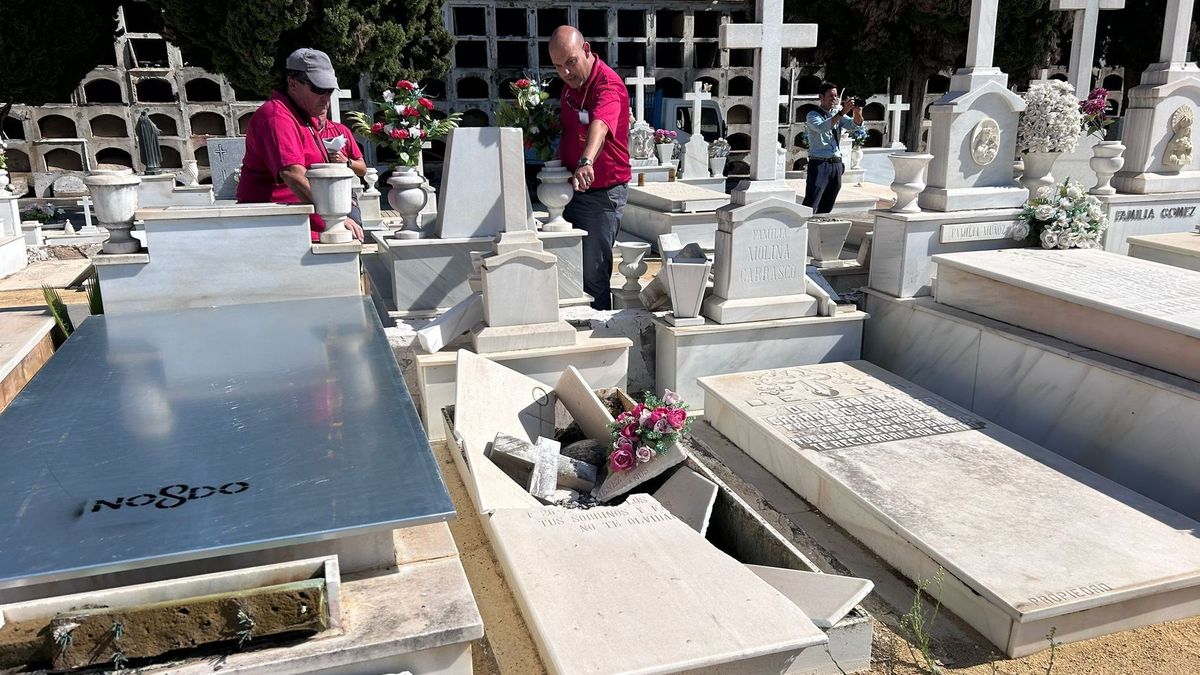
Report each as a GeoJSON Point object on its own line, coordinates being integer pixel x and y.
{"type": "Point", "coordinates": [315, 65]}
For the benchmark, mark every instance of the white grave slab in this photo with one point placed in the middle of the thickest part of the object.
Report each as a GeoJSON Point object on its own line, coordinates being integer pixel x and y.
{"type": "Point", "coordinates": [689, 497]}
{"type": "Point", "coordinates": [824, 598]}
{"type": "Point", "coordinates": [1179, 249]}
{"type": "Point", "coordinates": [1029, 540]}
{"type": "Point", "coordinates": [672, 602]}
{"type": "Point", "coordinates": [1135, 309]}
{"type": "Point", "coordinates": [676, 197]}
{"type": "Point", "coordinates": [471, 202]}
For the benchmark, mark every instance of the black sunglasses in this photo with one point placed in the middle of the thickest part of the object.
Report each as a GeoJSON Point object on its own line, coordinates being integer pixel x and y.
{"type": "Point", "coordinates": [315, 89]}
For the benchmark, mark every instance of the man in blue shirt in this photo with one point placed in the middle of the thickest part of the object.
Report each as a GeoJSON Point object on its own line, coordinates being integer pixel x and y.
{"type": "Point", "coordinates": [824, 129]}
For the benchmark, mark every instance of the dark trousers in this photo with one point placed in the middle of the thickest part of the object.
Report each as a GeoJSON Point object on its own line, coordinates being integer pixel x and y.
{"type": "Point", "coordinates": [598, 212]}
{"type": "Point", "coordinates": [823, 184]}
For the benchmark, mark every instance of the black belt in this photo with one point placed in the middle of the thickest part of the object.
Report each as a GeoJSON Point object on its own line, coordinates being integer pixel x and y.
{"type": "Point", "coordinates": [835, 160]}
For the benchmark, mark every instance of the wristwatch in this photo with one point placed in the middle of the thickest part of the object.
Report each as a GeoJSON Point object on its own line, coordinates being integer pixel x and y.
{"type": "Point", "coordinates": [584, 161]}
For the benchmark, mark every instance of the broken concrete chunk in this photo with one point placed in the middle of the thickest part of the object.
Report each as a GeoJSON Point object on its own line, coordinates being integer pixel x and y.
{"type": "Point", "coordinates": [513, 453]}
{"type": "Point", "coordinates": [543, 480]}
{"type": "Point", "coordinates": [588, 451]}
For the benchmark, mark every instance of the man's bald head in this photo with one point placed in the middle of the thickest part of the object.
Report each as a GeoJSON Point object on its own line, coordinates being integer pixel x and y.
{"type": "Point", "coordinates": [572, 56]}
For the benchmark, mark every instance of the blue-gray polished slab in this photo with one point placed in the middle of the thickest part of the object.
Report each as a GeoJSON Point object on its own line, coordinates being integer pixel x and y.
{"type": "Point", "coordinates": [284, 423]}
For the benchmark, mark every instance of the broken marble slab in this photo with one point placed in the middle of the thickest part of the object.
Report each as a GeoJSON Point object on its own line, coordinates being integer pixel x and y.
{"type": "Point", "coordinates": [457, 320]}
{"type": "Point", "coordinates": [578, 397]}
{"type": "Point", "coordinates": [588, 450]}
{"type": "Point", "coordinates": [669, 599]}
{"type": "Point", "coordinates": [690, 497]}
{"type": "Point", "coordinates": [619, 482]}
{"type": "Point", "coordinates": [523, 456]}
{"type": "Point", "coordinates": [824, 598]}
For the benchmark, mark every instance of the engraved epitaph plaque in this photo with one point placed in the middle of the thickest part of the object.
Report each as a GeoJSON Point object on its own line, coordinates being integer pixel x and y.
{"type": "Point", "coordinates": [1031, 540]}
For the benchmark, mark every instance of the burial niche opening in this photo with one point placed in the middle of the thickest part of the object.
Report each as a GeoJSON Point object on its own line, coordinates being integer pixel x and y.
{"type": "Point", "coordinates": [166, 124]}
{"type": "Point", "coordinates": [669, 54]}
{"type": "Point", "coordinates": [874, 111]}
{"type": "Point", "coordinates": [593, 23]}
{"type": "Point", "coordinates": [201, 155]}
{"type": "Point", "coordinates": [114, 157]}
{"type": "Point", "coordinates": [102, 91]}
{"type": "Point", "coordinates": [874, 138]}
{"type": "Point", "coordinates": [738, 114]}
{"type": "Point", "coordinates": [17, 161]}
{"type": "Point", "coordinates": [631, 23]}
{"type": "Point", "coordinates": [201, 90]}
{"type": "Point", "coordinates": [506, 89]}
{"type": "Point", "coordinates": [741, 86]}
{"type": "Point", "coordinates": [668, 23]}
{"type": "Point", "coordinates": [469, 21]}
{"type": "Point", "coordinates": [109, 126]}
{"type": "Point", "coordinates": [670, 87]}
{"type": "Point", "coordinates": [13, 129]}
{"type": "Point", "coordinates": [631, 54]}
{"type": "Point", "coordinates": [208, 124]}
{"type": "Point", "coordinates": [140, 17]}
{"type": "Point", "coordinates": [550, 18]}
{"type": "Point", "coordinates": [706, 24]}
{"type": "Point", "coordinates": [739, 142]}
{"type": "Point", "coordinates": [473, 87]}
{"type": "Point", "coordinates": [63, 159]}
{"type": "Point", "coordinates": [170, 157]}
{"type": "Point", "coordinates": [433, 88]}
{"type": "Point", "coordinates": [807, 85]}
{"type": "Point", "coordinates": [706, 55]}
{"type": "Point", "coordinates": [511, 21]}
{"type": "Point", "coordinates": [474, 118]}
{"type": "Point", "coordinates": [938, 84]}
{"type": "Point", "coordinates": [714, 87]}
{"type": "Point", "coordinates": [57, 126]}
{"type": "Point", "coordinates": [1114, 83]}
{"type": "Point", "coordinates": [512, 54]}
{"type": "Point", "coordinates": [149, 53]}
{"type": "Point", "coordinates": [155, 90]}
{"type": "Point", "coordinates": [741, 58]}
{"type": "Point", "coordinates": [470, 54]}
{"type": "Point", "coordinates": [244, 123]}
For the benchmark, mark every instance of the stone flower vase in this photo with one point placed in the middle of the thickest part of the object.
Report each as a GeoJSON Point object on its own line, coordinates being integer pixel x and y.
{"type": "Point", "coordinates": [1037, 171]}
{"type": "Point", "coordinates": [190, 175]}
{"type": "Point", "coordinates": [555, 192]}
{"type": "Point", "coordinates": [632, 265]}
{"type": "Point", "coordinates": [332, 198]}
{"type": "Point", "coordinates": [665, 152]}
{"type": "Point", "coordinates": [1107, 159]}
{"type": "Point", "coordinates": [856, 155]}
{"type": "Point", "coordinates": [909, 182]}
{"type": "Point", "coordinates": [115, 197]}
{"type": "Point", "coordinates": [407, 197]}
{"type": "Point", "coordinates": [717, 165]}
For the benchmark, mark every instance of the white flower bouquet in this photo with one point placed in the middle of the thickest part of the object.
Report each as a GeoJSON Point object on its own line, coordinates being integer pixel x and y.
{"type": "Point", "coordinates": [1051, 121]}
{"type": "Point", "coordinates": [1062, 216]}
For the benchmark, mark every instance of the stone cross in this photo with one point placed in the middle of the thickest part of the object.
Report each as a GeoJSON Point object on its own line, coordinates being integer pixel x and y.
{"type": "Point", "coordinates": [696, 95]}
{"type": "Point", "coordinates": [896, 108]}
{"type": "Point", "coordinates": [640, 82]}
{"type": "Point", "coordinates": [1176, 27]}
{"type": "Point", "coordinates": [769, 37]}
{"type": "Point", "coordinates": [981, 43]}
{"type": "Point", "coordinates": [1083, 39]}
{"type": "Point", "coordinates": [335, 109]}
{"type": "Point", "coordinates": [86, 203]}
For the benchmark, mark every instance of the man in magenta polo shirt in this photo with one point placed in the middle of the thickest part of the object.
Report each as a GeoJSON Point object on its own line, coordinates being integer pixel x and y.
{"type": "Point", "coordinates": [595, 142]}
{"type": "Point", "coordinates": [284, 138]}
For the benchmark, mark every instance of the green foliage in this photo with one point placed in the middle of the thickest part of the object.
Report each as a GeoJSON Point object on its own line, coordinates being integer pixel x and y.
{"type": "Point", "coordinates": [91, 286]}
{"type": "Point", "coordinates": [248, 40]}
{"type": "Point", "coordinates": [47, 46]}
{"type": "Point", "coordinates": [534, 115]}
{"type": "Point", "coordinates": [58, 310]}
{"type": "Point", "coordinates": [919, 621]}
{"type": "Point", "coordinates": [405, 120]}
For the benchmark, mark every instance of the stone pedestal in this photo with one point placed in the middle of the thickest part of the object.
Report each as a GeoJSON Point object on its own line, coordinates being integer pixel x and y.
{"type": "Point", "coordinates": [679, 208]}
{"type": "Point", "coordinates": [1135, 215]}
{"type": "Point", "coordinates": [903, 244]}
{"type": "Point", "coordinates": [1158, 132]}
{"type": "Point", "coordinates": [160, 191]}
{"type": "Point", "coordinates": [1180, 249]}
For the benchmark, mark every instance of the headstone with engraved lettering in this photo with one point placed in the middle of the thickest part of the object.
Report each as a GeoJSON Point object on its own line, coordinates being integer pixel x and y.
{"type": "Point", "coordinates": [929, 485]}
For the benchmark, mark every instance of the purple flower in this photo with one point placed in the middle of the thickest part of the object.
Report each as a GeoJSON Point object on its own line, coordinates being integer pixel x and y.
{"type": "Point", "coordinates": [644, 454]}
{"type": "Point", "coordinates": [671, 398]}
{"type": "Point", "coordinates": [662, 426]}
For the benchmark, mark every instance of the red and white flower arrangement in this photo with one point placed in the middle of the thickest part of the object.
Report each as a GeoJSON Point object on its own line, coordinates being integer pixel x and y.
{"type": "Point", "coordinates": [403, 122]}
{"type": "Point", "coordinates": [647, 431]}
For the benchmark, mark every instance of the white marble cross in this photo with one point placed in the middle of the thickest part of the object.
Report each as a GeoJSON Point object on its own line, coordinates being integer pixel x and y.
{"type": "Point", "coordinates": [896, 108]}
{"type": "Point", "coordinates": [1083, 39]}
{"type": "Point", "coordinates": [86, 203]}
{"type": "Point", "coordinates": [769, 37]}
{"type": "Point", "coordinates": [696, 95]}
{"type": "Point", "coordinates": [1176, 27]}
{"type": "Point", "coordinates": [335, 110]}
{"type": "Point", "coordinates": [640, 82]}
{"type": "Point", "coordinates": [981, 40]}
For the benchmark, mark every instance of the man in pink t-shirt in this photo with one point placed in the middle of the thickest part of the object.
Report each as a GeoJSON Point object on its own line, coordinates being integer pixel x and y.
{"type": "Point", "coordinates": [284, 138]}
{"type": "Point", "coordinates": [595, 144]}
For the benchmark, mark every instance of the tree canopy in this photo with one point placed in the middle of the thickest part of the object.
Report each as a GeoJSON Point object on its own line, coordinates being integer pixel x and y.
{"type": "Point", "coordinates": [47, 46]}
{"type": "Point", "coordinates": [248, 40]}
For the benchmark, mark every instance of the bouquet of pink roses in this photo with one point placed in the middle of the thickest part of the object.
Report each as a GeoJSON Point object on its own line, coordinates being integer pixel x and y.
{"type": "Point", "coordinates": [641, 434]}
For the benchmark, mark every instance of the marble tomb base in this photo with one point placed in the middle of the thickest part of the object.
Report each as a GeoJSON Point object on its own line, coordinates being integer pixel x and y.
{"type": "Point", "coordinates": [426, 277]}
{"type": "Point", "coordinates": [1132, 215]}
{"type": "Point", "coordinates": [1029, 541]}
{"type": "Point", "coordinates": [685, 353]}
{"type": "Point", "coordinates": [1178, 249]}
{"type": "Point", "coordinates": [1101, 412]}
